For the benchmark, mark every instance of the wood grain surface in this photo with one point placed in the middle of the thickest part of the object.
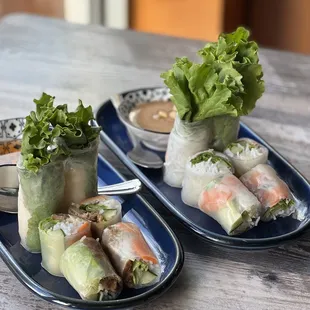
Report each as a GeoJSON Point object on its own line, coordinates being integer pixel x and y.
{"type": "Point", "coordinates": [90, 62]}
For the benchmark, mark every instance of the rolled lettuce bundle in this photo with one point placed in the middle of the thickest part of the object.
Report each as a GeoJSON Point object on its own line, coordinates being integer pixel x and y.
{"type": "Point", "coordinates": [131, 255]}
{"type": "Point", "coordinates": [89, 271]}
{"type": "Point", "coordinates": [185, 140]}
{"type": "Point", "coordinates": [101, 211]}
{"type": "Point", "coordinates": [200, 169]}
{"type": "Point", "coordinates": [40, 195]}
{"type": "Point", "coordinates": [57, 233]}
{"type": "Point", "coordinates": [271, 191]}
{"type": "Point", "coordinates": [231, 204]}
{"type": "Point", "coordinates": [245, 154]}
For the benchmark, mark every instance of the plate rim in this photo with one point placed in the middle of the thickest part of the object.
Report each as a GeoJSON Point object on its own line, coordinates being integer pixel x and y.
{"type": "Point", "coordinates": [221, 240]}
{"type": "Point", "coordinates": [70, 302]}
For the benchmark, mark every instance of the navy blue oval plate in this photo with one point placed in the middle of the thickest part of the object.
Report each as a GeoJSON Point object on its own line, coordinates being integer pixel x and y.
{"type": "Point", "coordinates": [265, 235]}
{"type": "Point", "coordinates": [27, 267]}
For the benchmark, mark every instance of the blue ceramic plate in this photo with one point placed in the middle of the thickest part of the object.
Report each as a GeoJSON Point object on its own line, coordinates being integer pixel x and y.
{"type": "Point", "coordinates": [265, 235]}
{"type": "Point", "coordinates": [27, 267]}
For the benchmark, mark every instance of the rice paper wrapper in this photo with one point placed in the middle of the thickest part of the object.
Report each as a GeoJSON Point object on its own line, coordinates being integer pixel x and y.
{"type": "Point", "coordinates": [54, 242]}
{"type": "Point", "coordinates": [81, 180]}
{"type": "Point", "coordinates": [231, 204]}
{"type": "Point", "coordinates": [40, 195]}
{"type": "Point", "coordinates": [124, 245]}
{"type": "Point", "coordinates": [197, 176]}
{"type": "Point", "coordinates": [89, 271]}
{"type": "Point", "coordinates": [97, 219]}
{"type": "Point", "coordinates": [273, 193]}
{"type": "Point", "coordinates": [225, 130]}
{"type": "Point", "coordinates": [133, 216]}
{"type": "Point", "coordinates": [244, 163]}
{"type": "Point", "coordinates": [185, 140]}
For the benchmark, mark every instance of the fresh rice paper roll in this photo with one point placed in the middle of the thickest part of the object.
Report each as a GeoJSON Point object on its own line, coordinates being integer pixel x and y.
{"type": "Point", "coordinates": [225, 129]}
{"type": "Point", "coordinates": [102, 211]}
{"type": "Point", "coordinates": [89, 271]}
{"type": "Point", "coordinates": [57, 233]}
{"type": "Point", "coordinates": [231, 204]}
{"type": "Point", "coordinates": [185, 140]}
{"type": "Point", "coordinates": [200, 169]}
{"type": "Point", "coordinates": [245, 154]}
{"type": "Point", "coordinates": [131, 255]}
{"type": "Point", "coordinates": [40, 195]}
{"type": "Point", "coordinates": [81, 179]}
{"type": "Point", "coordinates": [271, 191]}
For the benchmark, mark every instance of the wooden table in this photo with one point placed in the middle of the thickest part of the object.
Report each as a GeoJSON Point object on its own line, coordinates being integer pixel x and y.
{"type": "Point", "coordinates": [90, 62]}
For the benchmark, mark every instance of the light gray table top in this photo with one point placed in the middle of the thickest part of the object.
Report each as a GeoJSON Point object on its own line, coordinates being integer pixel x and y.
{"type": "Point", "coordinates": [90, 62]}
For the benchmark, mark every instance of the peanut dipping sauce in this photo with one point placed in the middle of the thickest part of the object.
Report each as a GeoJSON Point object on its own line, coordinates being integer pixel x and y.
{"type": "Point", "coordinates": [156, 116]}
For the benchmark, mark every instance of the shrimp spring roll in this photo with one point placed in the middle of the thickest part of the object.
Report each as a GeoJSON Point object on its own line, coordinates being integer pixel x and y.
{"type": "Point", "coordinates": [131, 255]}
{"type": "Point", "coordinates": [89, 271]}
{"type": "Point", "coordinates": [101, 211]}
{"type": "Point", "coordinates": [58, 232]}
{"type": "Point", "coordinates": [200, 169]}
{"type": "Point", "coordinates": [245, 154]}
{"type": "Point", "coordinates": [231, 204]}
{"type": "Point", "coordinates": [271, 191]}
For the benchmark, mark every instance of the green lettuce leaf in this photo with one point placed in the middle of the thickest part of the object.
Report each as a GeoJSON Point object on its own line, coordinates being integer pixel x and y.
{"type": "Point", "coordinates": [227, 82]}
{"type": "Point", "coordinates": [51, 132]}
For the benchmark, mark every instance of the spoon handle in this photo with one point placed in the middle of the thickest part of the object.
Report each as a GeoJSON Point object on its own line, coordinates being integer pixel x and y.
{"type": "Point", "coordinates": [124, 188]}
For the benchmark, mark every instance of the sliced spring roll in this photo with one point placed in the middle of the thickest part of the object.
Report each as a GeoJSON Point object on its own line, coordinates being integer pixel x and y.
{"type": "Point", "coordinates": [271, 191]}
{"type": "Point", "coordinates": [131, 255]}
{"type": "Point", "coordinates": [200, 169]}
{"type": "Point", "coordinates": [245, 154]}
{"type": "Point", "coordinates": [101, 211]}
{"type": "Point", "coordinates": [231, 204]}
{"type": "Point", "coordinates": [57, 233]}
{"type": "Point", "coordinates": [89, 271]}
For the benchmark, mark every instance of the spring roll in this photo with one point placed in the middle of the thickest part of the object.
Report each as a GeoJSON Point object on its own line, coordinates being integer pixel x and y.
{"type": "Point", "coordinates": [40, 195]}
{"type": "Point", "coordinates": [185, 139]}
{"type": "Point", "coordinates": [245, 154]}
{"type": "Point", "coordinates": [131, 255]}
{"type": "Point", "coordinates": [81, 174]}
{"type": "Point", "coordinates": [200, 169]}
{"type": "Point", "coordinates": [231, 204]}
{"type": "Point", "coordinates": [89, 271]}
{"type": "Point", "coordinates": [101, 211]}
{"type": "Point", "coordinates": [271, 191]}
{"type": "Point", "coordinates": [57, 233]}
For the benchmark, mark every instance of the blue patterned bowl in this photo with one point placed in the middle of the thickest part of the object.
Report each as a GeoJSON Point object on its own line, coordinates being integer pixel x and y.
{"type": "Point", "coordinates": [11, 129]}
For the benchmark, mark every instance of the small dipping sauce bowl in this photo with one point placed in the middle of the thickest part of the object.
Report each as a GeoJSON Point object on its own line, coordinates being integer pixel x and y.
{"type": "Point", "coordinates": [148, 114]}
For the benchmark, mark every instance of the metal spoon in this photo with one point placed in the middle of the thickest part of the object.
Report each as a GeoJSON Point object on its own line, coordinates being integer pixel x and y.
{"type": "Point", "coordinates": [143, 157]}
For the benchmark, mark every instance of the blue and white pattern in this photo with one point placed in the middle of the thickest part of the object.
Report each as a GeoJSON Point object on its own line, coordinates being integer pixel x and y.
{"type": "Point", "coordinates": [11, 129]}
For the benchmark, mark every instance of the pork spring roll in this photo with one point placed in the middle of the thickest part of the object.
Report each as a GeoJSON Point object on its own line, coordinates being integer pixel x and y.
{"type": "Point", "coordinates": [245, 154]}
{"type": "Point", "coordinates": [81, 174]}
{"type": "Point", "coordinates": [57, 233]}
{"type": "Point", "coordinates": [231, 204]}
{"type": "Point", "coordinates": [131, 255]}
{"type": "Point", "coordinates": [271, 191]}
{"type": "Point", "coordinates": [101, 211]}
{"type": "Point", "coordinates": [89, 271]}
{"type": "Point", "coordinates": [200, 169]}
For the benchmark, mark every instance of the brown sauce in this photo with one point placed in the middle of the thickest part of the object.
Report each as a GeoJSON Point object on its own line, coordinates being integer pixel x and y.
{"type": "Point", "coordinates": [155, 116]}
